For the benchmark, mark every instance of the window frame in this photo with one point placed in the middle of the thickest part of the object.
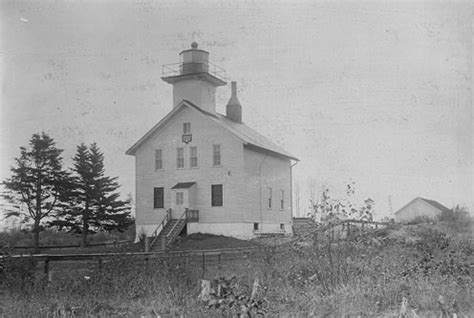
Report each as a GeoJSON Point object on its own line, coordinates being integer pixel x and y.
{"type": "Point", "coordinates": [214, 155]}
{"type": "Point", "coordinates": [191, 157]}
{"type": "Point", "coordinates": [215, 196]}
{"type": "Point", "coordinates": [186, 128]}
{"type": "Point", "coordinates": [179, 200]}
{"type": "Point", "coordinates": [158, 204]}
{"type": "Point", "coordinates": [178, 158]}
{"type": "Point", "coordinates": [160, 160]}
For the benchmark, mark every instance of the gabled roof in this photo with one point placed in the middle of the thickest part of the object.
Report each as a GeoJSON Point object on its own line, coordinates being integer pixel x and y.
{"type": "Point", "coordinates": [247, 135]}
{"type": "Point", "coordinates": [436, 204]}
{"type": "Point", "coordinates": [433, 203]}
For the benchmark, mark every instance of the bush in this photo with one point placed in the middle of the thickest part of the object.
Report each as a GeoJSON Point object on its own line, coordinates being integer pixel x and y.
{"type": "Point", "coordinates": [17, 274]}
{"type": "Point", "coordinates": [457, 219]}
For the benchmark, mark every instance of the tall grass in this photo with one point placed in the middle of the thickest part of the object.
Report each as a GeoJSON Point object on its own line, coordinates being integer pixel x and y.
{"type": "Point", "coordinates": [365, 275]}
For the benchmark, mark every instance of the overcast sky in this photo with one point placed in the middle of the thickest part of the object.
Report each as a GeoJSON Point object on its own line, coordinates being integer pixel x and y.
{"type": "Point", "coordinates": [378, 93]}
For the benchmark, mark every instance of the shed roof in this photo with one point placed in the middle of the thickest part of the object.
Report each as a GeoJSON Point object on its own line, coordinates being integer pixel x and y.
{"type": "Point", "coordinates": [248, 136]}
{"type": "Point", "coordinates": [433, 203]}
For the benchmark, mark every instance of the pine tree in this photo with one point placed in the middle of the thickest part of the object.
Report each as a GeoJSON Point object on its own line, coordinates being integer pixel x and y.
{"type": "Point", "coordinates": [38, 181]}
{"type": "Point", "coordinates": [95, 204]}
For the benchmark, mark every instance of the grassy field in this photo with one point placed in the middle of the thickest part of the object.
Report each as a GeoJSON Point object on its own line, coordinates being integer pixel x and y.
{"type": "Point", "coordinates": [367, 276]}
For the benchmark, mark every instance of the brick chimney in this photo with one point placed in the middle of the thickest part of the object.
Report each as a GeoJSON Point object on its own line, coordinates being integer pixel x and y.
{"type": "Point", "coordinates": [233, 108]}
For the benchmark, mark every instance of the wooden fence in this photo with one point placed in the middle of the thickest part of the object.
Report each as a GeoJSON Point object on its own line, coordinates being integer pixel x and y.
{"type": "Point", "coordinates": [202, 258]}
{"type": "Point", "coordinates": [104, 244]}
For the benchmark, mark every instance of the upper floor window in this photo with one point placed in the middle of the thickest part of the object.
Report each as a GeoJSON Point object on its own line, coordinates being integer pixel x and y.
{"type": "Point", "coordinates": [216, 155]}
{"type": "Point", "coordinates": [193, 159]}
{"type": "Point", "coordinates": [269, 198]}
{"type": "Point", "coordinates": [158, 198]}
{"type": "Point", "coordinates": [186, 128]}
{"type": "Point", "coordinates": [216, 195]}
{"type": "Point", "coordinates": [180, 157]}
{"type": "Point", "coordinates": [282, 199]}
{"type": "Point", "coordinates": [158, 159]}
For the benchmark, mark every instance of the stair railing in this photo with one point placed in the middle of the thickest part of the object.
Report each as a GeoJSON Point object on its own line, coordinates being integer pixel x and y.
{"type": "Point", "coordinates": [181, 218]}
{"type": "Point", "coordinates": [161, 226]}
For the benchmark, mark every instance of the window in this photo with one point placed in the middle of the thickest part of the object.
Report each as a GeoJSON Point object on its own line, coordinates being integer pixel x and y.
{"type": "Point", "coordinates": [158, 159]}
{"type": "Point", "coordinates": [255, 226]}
{"type": "Point", "coordinates": [282, 226]}
{"type": "Point", "coordinates": [282, 199]}
{"type": "Point", "coordinates": [269, 198]}
{"type": "Point", "coordinates": [216, 155]}
{"type": "Point", "coordinates": [186, 128]}
{"type": "Point", "coordinates": [179, 198]}
{"type": "Point", "coordinates": [216, 195]}
{"type": "Point", "coordinates": [193, 160]}
{"type": "Point", "coordinates": [180, 157]}
{"type": "Point", "coordinates": [158, 198]}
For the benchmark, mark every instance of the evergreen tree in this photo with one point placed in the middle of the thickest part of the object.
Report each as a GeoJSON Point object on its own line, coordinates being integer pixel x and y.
{"type": "Point", "coordinates": [95, 205]}
{"type": "Point", "coordinates": [38, 181]}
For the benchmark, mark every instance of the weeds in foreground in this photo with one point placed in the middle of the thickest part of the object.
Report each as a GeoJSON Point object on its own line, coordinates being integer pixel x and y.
{"type": "Point", "coordinates": [365, 275]}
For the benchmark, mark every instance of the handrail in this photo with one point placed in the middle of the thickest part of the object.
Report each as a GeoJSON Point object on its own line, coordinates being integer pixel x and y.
{"type": "Point", "coordinates": [176, 224]}
{"type": "Point", "coordinates": [175, 69]}
{"type": "Point", "coordinates": [192, 215]}
{"type": "Point", "coordinates": [162, 225]}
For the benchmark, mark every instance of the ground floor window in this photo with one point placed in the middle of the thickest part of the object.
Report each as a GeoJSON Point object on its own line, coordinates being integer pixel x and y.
{"type": "Point", "coordinates": [158, 198]}
{"type": "Point", "coordinates": [216, 195]}
{"type": "Point", "coordinates": [255, 226]}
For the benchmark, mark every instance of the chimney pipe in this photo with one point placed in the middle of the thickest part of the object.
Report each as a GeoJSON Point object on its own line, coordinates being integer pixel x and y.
{"type": "Point", "coordinates": [233, 108]}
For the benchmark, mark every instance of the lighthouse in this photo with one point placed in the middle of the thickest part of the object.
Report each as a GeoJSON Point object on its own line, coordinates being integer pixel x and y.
{"type": "Point", "coordinates": [194, 78]}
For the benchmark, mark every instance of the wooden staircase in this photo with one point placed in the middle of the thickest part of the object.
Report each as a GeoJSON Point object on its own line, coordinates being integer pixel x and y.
{"type": "Point", "coordinates": [302, 226]}
{"type": "Point", "coordinates": [168, 235]}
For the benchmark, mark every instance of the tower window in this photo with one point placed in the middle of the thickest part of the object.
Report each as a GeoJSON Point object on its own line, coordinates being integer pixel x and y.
{"type": "Point", "coordinates": [186, 128]}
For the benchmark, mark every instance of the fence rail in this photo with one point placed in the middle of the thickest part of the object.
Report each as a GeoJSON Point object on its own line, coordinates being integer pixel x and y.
{"type": "Point", "coordinates": [112, 244]}
{"type": "Point", "coordinates": [199, 257]}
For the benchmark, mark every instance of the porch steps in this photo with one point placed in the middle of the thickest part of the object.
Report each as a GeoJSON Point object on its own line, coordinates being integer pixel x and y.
{"type": "Point", "coordinates": [302, 226]}
{"type": "Point", "coordinates": [171, 231]}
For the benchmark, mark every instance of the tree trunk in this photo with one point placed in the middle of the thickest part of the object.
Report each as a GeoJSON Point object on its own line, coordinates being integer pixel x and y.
{"type": "Point", "coordinates": [85, 229]}
{"type": "Point", "coordinates": [85, 226]}
{"type": "Point", "coordinates": [36, 231]}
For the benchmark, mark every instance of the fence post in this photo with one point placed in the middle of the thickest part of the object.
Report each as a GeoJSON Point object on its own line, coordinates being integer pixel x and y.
{"type": "Point", "coordinates": [203, 263]}
{"type": "Point", "coordinates": [219, 260]}
{"type": "Point", "coordinates": [46, 266]}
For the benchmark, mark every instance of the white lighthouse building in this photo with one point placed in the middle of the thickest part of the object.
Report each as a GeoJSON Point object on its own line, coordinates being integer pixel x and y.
{"type": "Point", "coordinates": [201, 171]}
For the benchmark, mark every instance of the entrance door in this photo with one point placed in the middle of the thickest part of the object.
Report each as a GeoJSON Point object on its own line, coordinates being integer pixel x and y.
{"type": "Point", "coordinates": [180, 202]}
